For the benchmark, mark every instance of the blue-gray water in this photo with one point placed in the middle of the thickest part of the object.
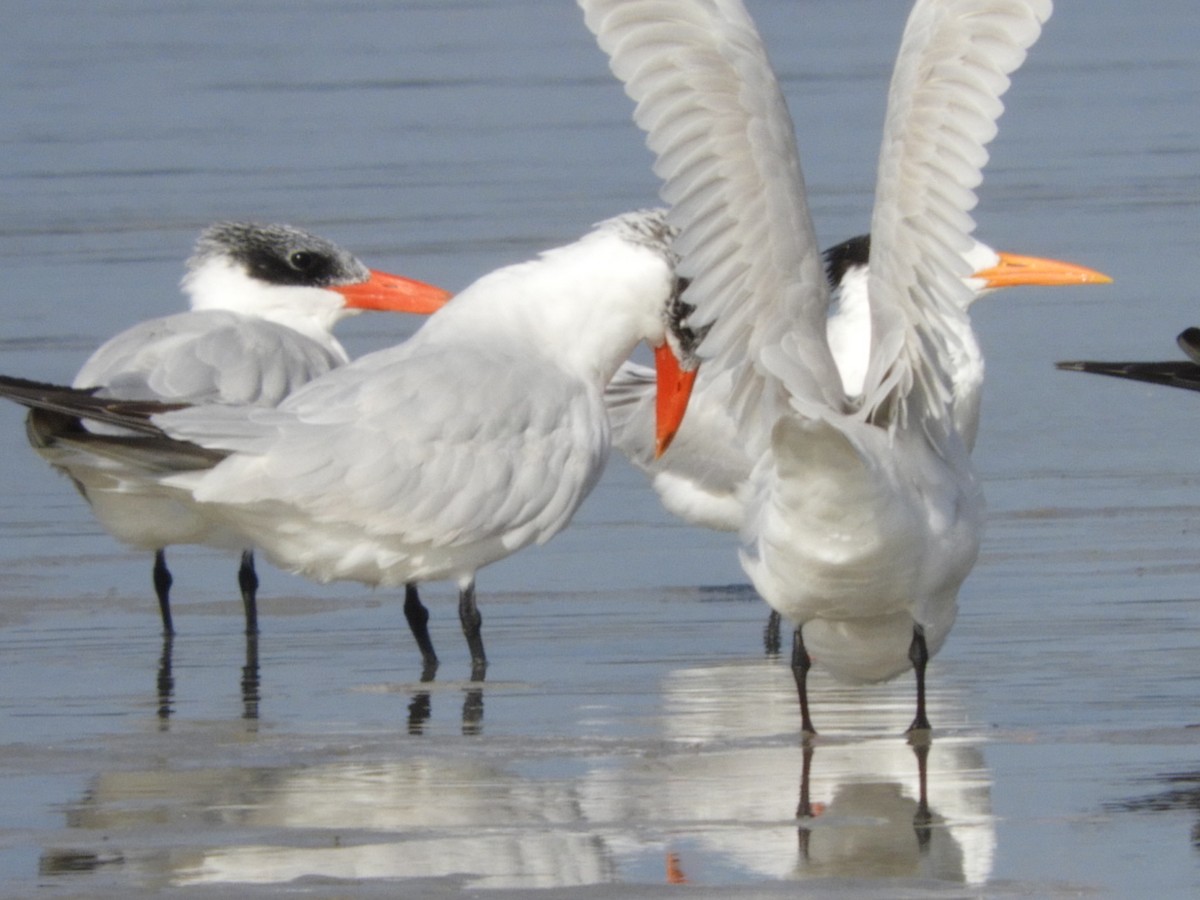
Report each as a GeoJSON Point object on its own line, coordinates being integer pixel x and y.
{"type": "Point", "coordinates": [629, 712]}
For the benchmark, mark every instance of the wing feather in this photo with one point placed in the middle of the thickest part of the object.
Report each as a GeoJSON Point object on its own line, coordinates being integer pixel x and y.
{"type": "Point", "coordinates": [384, 454]}
{"type": "Point", "coordinates": [943, 103]}
{"type": "Point", "coordinates": [715, 118]}
{"type": "Point", "coordinates": [208, 356]}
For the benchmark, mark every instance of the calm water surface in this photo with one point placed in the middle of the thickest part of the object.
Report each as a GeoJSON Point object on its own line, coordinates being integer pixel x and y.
{"type": "Point", "coordinates": [631, 724]}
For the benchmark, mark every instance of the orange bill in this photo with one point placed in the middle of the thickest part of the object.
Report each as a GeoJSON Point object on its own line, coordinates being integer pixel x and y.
{"type": "Point", "coordinates": [674, 390]}
{"type": "Point", "coordinates": [393, 293]}
{"type": "Point", "coordinates": [1013, 270]}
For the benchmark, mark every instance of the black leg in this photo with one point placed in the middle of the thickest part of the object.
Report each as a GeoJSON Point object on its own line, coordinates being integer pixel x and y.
{"type": "Point", "coordinates": [472, 622]}
{"type": "Point", "coordinates": [248, 582]}
{"type": "Point", "coordinates": [162, 588]}
{"type": "Point", "coordinates": [800, 666]}
{"type": "Point", "coordinates": [418, 623]}
{"type": "Point", "coordinates": [918, 654]}
{"type": "Point", "coordinates": [771, 640]}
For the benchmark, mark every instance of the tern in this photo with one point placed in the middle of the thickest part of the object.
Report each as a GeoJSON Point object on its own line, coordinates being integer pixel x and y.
{"type": "Point", "coordinates": [264, 300]}
{"type": "Point", "coordinates": [863, 513]}
{"type": "Point", "coordinates": [478, 436]}
{"type": "Point", "coordinates": [702, 479]}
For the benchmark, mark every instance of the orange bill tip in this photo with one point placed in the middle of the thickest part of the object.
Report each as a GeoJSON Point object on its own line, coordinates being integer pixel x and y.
{"type": "Point", "coordinates": [674, 387]}
{"type": "Point", "coordinates": [1014, 270]}
{"type": "Point", "coordinates": [393, 293]}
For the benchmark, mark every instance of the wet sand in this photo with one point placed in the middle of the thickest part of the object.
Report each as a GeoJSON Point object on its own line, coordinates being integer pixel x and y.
{"type": "Point", "coordinates": [621, 736]}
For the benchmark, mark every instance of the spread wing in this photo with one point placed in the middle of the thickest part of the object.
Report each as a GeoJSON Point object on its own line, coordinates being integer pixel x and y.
{"type": "Point", "coordinates": [943, 104]}
{"type": "Point", "coordinates": [715, 118]}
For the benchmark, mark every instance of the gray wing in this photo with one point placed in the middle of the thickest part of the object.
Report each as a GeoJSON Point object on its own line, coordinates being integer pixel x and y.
{"type": "Point", "coordinates": [405, 443]}
{"type": "Point", "coordinates": [209, 356]}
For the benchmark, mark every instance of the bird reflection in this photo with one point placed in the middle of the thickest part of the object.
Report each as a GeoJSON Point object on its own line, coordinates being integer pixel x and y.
{"type": "Point", "coordinates": [420, 709]}
{"type": "Point", "coordinates": [250, 679]}
{"type": "Point", "coordinates": [472, 712]}
{"type": "Point", "coordinates": [1183, 794]}
{"type": "Point", "coordinates": [74, 862]}
{"type": "Point", "coordinates": [445, 816]}
{"type": "Point", "coordinates": [249, 682]}
{"type": "Point", "coordinates": [878, 830]}
{"type": "Point", "coordinates": [714, 791]}
{"type": "Point", "coordinates": [870, 804]}
{"type": "Point", "coordinates": [165, 682]}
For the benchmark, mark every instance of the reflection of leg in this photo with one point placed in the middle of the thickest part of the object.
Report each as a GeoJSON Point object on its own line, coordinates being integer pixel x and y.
{"type": "Point", "coordinates": [675, 873]}
{"type": "Point", "coordinates": [248, 582]}
{"type": "Point", "coordinates": [162, 588]}
{"type": "Point", "coordinates": [418, 623]}
{"type": "Point", "coordinates": [472, 624]}
{"type": "Point", "coordinates": [771, 641]}
{"type": "Point", "coordinates": [166, 681]}
{"type": "Point", "coordinates": [419, 711]}
{"type": "Point", "coordinates": [804, 809]}
{"type": "Point", "coordinates": [923, 819]}
{"type": "Point", "coordinates": [250, 683]}
{"type": "Point", "coordinates": [918, 654]}
{"type": "Point", "coordinates": [472, 712]}
{"type": "Point", "coordinates": [801, 663]}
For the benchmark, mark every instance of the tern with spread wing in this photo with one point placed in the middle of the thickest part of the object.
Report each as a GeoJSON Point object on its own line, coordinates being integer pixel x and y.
{"type": "Point", "coordinates": [264, 300]}
{"type": "Point", "coordinates": [862, 513]}
{"type": "Point", "coordinates": [478, 436]}
{"type": "Point", "coordinates": [702, 479]}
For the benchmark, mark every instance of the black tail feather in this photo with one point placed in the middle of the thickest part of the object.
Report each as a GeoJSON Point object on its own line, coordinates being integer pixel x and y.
{"type": "Point", "coordinates": [82, 403]}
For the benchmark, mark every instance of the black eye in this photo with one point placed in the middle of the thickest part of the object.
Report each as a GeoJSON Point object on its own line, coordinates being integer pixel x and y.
{"type": "Point", "coordinates": [303, 260]}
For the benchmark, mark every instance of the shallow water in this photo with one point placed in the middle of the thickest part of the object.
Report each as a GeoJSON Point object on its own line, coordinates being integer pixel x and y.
{"type": "Point", "coordinates": [631, 726]}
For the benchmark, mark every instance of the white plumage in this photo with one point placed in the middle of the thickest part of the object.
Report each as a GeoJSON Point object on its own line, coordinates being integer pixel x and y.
{"type": "Point", "coordinates": [704, 476]}
{"type": "Point", "coordinates": [863, 511]}
{"type": "Point", "coordinates": [263, 299]}
{"type": "Point", "coordinates": [480, 435]}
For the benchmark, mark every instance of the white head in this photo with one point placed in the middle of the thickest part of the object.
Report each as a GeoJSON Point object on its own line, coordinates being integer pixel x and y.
{"type": "Point", "coordinates": [290, 276]}
{"type": "Point", "coordinates": [849, 324]}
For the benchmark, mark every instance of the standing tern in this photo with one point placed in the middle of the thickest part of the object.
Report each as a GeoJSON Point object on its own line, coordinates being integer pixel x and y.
{"type": "Point", "coordinates": [1175, 373]}
{"type": "Point", "coordinates": [863, 512]}
{"type": "Point", "coordinates": [478, 436]}
{"type": "Point", "coordinates": [264, 300]}
{"type": "Point", "coordinates": [703, 477]}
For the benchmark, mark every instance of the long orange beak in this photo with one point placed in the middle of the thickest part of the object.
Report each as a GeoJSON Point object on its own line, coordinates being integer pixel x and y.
{"type": "Point", "coordinates": [1013, 270]}
{"type": "Point", "coordinates": [393, 293]}
{"type": "Point", "coordinates": [674, 389]}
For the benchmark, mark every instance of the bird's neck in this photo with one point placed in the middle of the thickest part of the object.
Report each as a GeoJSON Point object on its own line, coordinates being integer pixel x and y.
{"type": "Point", "coordinates": [583, 307]}
{"type": "Point", "coordinates": [311, 311]}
